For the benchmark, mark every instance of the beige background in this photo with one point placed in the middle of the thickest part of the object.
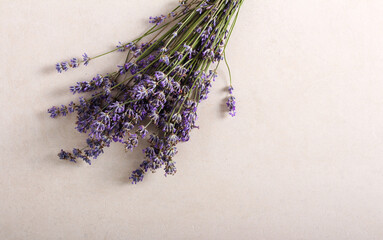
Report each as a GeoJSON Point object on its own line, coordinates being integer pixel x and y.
{"type": "Point", "coordinates": [302, 160]}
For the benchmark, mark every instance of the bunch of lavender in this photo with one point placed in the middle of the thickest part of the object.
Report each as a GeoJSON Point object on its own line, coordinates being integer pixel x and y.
{"type": "Point", "coordinates": [161, 83]}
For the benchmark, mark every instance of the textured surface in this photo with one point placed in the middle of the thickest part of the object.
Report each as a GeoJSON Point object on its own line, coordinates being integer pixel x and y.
{"type": "Point", "coordinates": [303, 159]}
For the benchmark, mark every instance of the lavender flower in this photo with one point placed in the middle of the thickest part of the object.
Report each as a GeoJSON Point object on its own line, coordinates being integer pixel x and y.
{"type": "Point", "coordinates": [54, 112]}
{"type": "Point", "coordinates": [64, 110]}
{"type": "Point", "coordinates": [159, 75]}
{"type": "Point", "coordinates": [231, 102]}
{"type": "Point", "coordinates": [188, 50]}
{"type": "Point", "coordinates": [65, 66]}
{"type": "Point", "coordinates": [120, 47]}
{"type": "Point", "coordinates": [157, 20]}
{"type": "Point", "coordinates": [137, 176]}
{"type": "Point", "coordinates": [59, 67]}
{"type": "Point", "coordinates": [66, 156]}
{"type": "Point", "coordinates": [172, 14]}
{"type": "Point", "coordinates": [132, 142]}
{"type": "Point", "coordinates": [74, 63]}
{"type": "Point", "coordinates": [164, 59]}
{"type": "Point", "coordinates": [63, 155]}
{"type": "Point", "coordinates": [231, 105]}
{"type": "Point", "coordinates": [86, 59]}
{"type": "Point", "coordinates": [118, 107]}
{"type": "Point", "coordinates": [142, 131]}
{"type": "Point", "coordinates": [231, 89]}
{"type": "Point", "coordinates": [71, 107]}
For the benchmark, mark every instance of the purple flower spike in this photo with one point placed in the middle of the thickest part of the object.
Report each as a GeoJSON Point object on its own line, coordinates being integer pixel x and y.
{"type": "Point", "coordinates": [86, 59]}
{"type": "Point", "coordinates": [132, 142]}
{"type": "Point", "coordinates": [164, 59]}
{"type": "Point", "coordinates": [74, 63]}
{"type": "Point", "coordinates": [157, 20]}
{"type": "Point", "coordinates": [231, 105]}
{"type": "Point", "coordinates": [231, 89]}
{"type": "Point", "coordinates": [118, 107]}
{"type": "Point", "coordinates": [137, 176]}
{"type": "Point", "coordinates": [142, 131]}
{"type": "Point", "coordinates": [120, 47]}
{"type": "Point", "coordinates": [159, 75]}
{"type": "Point", "coordinates": [65, 66]}
{"type": "Point", "coordinates": [54, 112]}
{"type": "Point", "coordinates": [63, 155]}
{"type": "Point", "coordinates": [59, 68]}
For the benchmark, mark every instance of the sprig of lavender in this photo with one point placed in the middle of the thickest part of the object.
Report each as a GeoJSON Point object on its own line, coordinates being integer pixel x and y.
{"type": "Point", "coordinates": [161, 83]}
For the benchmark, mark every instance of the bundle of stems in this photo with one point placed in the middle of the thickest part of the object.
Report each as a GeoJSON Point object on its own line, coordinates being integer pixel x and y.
{"type": "Point", "coordinates": [160, 84]}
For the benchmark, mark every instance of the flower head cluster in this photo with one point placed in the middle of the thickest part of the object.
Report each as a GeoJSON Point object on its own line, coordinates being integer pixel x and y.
{"type": "Point", "coordinates": [160, 85]}
{"type": "Point", "coordinates": [157, 20]}
{"type": "Point", "coordinates": [73, 63]}
{"type": "Point", "coordinates": [231, 102]}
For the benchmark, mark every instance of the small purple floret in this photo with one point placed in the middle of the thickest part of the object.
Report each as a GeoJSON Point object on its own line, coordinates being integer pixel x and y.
{"type": "Point", "coordinates": [157, 20]}
{"type": "Point", "coordinates": [86, 59]}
